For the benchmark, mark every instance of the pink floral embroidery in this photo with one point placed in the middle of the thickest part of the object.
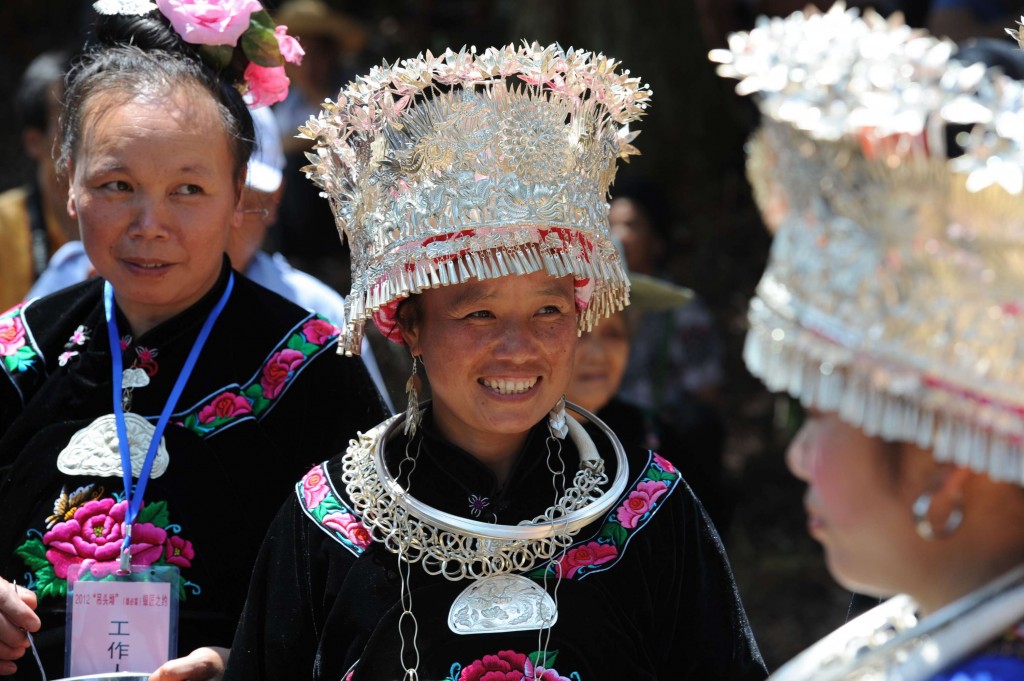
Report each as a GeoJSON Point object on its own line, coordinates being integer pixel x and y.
{"type": "Point", "coordinates": [66, 356]}
{"type": "Point", "coordinates": [223, 406]}
{"type": "Point", "coordinates": [314, 487]}
{"type": "Point", "coordinates": [639, 502]}
{"type": "Point", "coordinates": [278, 370]}
{"type": "Point", "coordinates": [586, 555]}
{"type": "Point", "coordinates": [319, 331]}
{"type": "Point", "coordinates": [290, 48]}
{"type": "Point", "coordinates": [12, 335]}
{"type": "Point", "coordinates": [177, 551]}
{"type": "Point", "coordinates": [267, 84]}
{"type": "Point", "coordinates": [80, 335]}
{"type": "Point", "coordinates": [96, 532]}
{"type": "Point", "coordinates": [507, 665]}
{"type": "Point", "coordinates": [147, 360]}
{"type": "Point", "coordinates": [348, 525]}
{"type": "Point", "coordinates": [665, 464]}
{"type": "Point", "coordinates": [542, 674]}
{"type": "Point", "coordinates": [202, 22]}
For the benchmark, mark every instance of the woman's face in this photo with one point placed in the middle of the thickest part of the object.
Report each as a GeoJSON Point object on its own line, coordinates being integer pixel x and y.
{"type": "Point", "coordinates": [498, 354]}
{"type": "Point", "coordinates": [858, 504]}
{"type": "Point", "coordinates": [154, 192]}
{"type": "Point", "coordinates": [600, 363]}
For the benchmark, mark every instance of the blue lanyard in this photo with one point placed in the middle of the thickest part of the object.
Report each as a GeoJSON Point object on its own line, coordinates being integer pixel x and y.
{"type": "Point", "coordinates": [135, 500]}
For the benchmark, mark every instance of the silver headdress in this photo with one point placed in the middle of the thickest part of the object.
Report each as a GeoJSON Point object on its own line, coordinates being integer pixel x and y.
{"type": "Point", "coordinates": [894, 294]}
{"type": "Point", "coordinates": [439, 169]}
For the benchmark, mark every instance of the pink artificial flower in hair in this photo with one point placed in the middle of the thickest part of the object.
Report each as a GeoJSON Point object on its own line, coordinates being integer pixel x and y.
{"type": "Point", "coordinates": [209, 22]}
{"type": "Point", "coordinates": [290, 48]}
{"type": "Point", "coordinates": [267, 85]}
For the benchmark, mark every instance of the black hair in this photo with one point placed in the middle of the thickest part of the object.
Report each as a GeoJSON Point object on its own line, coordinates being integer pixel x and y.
{"type": "Point", "coordinates": [32, 101]}
{"type": "Point", "coordinates": [650, 199]}
{"type": "Point", "coordinates": [137, 55]}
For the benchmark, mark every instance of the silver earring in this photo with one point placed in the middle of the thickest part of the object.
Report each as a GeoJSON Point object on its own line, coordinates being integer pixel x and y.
{"type": "Point", "coordinates": [412, 410]}
{"type": "Point", "coordinates": [556, 420]}
{"type": "Point", "coordinates": [922, 509]}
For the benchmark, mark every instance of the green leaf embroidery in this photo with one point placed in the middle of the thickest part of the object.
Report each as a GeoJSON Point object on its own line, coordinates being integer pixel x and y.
{"type": "Point", "coordinates": [21, 360]}
{"type": "Point", "coordinates": [253, 391]}
{"type": "Point", "coordinates": [295, 342]}
{"type": "Point", "coordinates": [155, 513]}
{"type": "Point", "coordinates": [616, 532]}
{"type": "Point", "coordinates": [49, 585]}
{"type": "Point", "coordinates": [543, 658]}
{"type": "Point", "coordinates": [33, 552]}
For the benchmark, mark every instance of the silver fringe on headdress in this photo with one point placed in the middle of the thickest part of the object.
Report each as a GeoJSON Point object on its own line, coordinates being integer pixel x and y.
{"type": "Point", "coordinates": [894, 294]}
{"type": "Point", "coordinates": [464, 165]}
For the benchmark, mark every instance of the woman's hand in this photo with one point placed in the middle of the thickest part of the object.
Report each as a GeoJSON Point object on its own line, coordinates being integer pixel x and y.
{"type": "Point", "coordinates": [17, 615]}
{"type": "Point", "coordinates": [202, 664]}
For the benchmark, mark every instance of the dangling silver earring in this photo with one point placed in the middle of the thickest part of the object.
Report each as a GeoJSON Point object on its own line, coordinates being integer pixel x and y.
{"type": "Point", "coordinates": [412, 410]}
{"type": "Point", "coordinates": [556, 420]}
{"type": "Point", "coordinates": [922, 509]}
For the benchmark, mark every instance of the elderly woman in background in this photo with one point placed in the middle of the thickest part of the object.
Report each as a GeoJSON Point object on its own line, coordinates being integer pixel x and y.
{"type": "Point", "coordinates": [245, 386]}
{"type": "Point", "coordinates": [891, 308]}
{"type": "Point", "coordinates": [487, 533]}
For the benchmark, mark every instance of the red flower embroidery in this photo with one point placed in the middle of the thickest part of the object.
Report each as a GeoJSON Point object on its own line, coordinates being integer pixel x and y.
{"type": "Point", "coordinates": [178, 551]}
{"type": "Point", "coordinates": [12, 335]}
{"type": "Point", "coordinates": [224, 406]}
{"type": "Point", "coordinates": [319, 331]}
{"type": "Point", "coordinates": [278, 370]}
{"type": "Point", "coordinates": [314, 487]}
{"type": "Point", "coordinates": [349, 526]}
{"type": "Point", "coordinates": [640, 502]}
{"type": "Point", "coordinates": [507, 665]}
{"type": "Point", "coordinates": [587, 555]}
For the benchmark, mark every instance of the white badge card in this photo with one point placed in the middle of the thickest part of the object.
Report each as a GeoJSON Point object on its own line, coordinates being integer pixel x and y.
{"type": "Point", "coordinates": [120, 622]}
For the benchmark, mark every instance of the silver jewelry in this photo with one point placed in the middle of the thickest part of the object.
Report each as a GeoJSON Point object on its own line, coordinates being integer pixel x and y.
{"type": "Point", "coordinates": [413, 415]}
{"type": "Point", "coordinates": [889, 642]}
{"type": "Point", "coordinates": [556, 420]}
{"type": "Point", "coordinates": [460, 548]}
{"type": "Point", "coordinates": [501, 603]}
{"type": "Point", "coordinates": [94, 450]}
{"type": "Point", "coordinates": [922, 523]}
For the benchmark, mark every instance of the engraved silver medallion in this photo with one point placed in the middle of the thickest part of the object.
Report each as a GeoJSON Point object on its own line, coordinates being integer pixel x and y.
{"type": "Point", "coordinates": [501, 603]}
{"type": "Point", "coordinates": [93, 450]}
{"type": "Point", "coordinates": [134, 377]}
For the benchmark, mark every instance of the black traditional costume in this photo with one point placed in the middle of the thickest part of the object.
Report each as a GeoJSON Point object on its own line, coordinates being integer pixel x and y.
{"type": "Point", "coordinates": [268, 397]}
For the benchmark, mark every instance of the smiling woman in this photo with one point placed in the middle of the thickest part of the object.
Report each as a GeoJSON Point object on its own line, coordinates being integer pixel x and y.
{"type": "Point", "coordinates": [487, 533]}
{"type": "Point", "coordinates": [138, 408]}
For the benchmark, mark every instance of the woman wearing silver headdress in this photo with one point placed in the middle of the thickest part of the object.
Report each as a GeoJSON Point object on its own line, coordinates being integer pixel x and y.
{"type": "Point", "coordinates": [891, 308]}
{"type": "Point", "coordinates": [487, 533]}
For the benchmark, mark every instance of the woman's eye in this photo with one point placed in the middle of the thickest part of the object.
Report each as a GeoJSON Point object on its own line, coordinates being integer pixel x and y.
{"type": "Point", "coordinates": [549, 309]}
{"type": "Point", "coordinates": [117, 186]}
{"type": "Point", "coordinates": [479, 314]}
{"type": "Point", "coordinates": [189, 189]}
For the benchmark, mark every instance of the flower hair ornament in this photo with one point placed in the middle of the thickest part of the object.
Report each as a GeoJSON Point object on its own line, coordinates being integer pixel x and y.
{"type": "Point", "coordinates": [228, 32]}
{"type": "Point", "coordinates": [444, 168]}
{"type": "Point", "coordinates": [893, 293]}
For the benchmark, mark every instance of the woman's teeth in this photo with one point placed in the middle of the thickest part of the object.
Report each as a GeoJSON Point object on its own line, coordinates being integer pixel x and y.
{"type": "Point", "coordinates": [509, 387]}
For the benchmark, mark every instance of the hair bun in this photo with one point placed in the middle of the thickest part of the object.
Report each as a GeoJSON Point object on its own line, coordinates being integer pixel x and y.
{"type": "Point", "coordinates": [148, 32]}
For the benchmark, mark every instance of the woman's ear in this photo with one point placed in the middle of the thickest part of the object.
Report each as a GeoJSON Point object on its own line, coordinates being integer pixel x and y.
{"type": "Point", "coordinates": [72, 203]}
{"type": "Point", "coordinates": [411, 336]}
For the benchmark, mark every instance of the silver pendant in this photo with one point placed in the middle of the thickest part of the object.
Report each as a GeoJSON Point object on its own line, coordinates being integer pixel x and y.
{"type": "Point", "coordinates": [134, 377]}
{"type": "Point", "coordinates": [93, 450]}
{"type": "Point", "coordinates": [502, 603]}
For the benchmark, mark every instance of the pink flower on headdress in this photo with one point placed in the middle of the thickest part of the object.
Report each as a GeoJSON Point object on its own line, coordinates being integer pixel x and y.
{"type": "Point", "coordinates": [290, 48]}
{"type": "Point", "coordinates": [267, 85]}
{"type": "Point", "coordinates": [209, 22]}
